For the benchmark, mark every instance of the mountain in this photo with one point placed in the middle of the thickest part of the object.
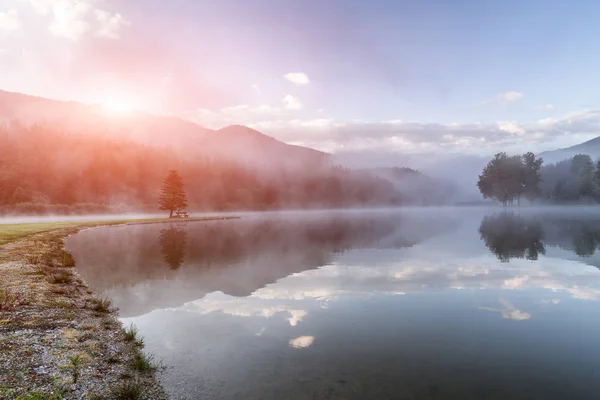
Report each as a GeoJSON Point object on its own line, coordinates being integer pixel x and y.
{"type": "Point", "coordinates": [236, 143]}
{"type": "Point", "coordinates": [459, 171]}
{"type": "Point", "coordinates": [100, 159]}
{"type": "Point", "coordinates": [418, 188]}
{"type": "Point", "coordinates": [591, 147]}
{"type": "Point", "coordinates": [250, 147]}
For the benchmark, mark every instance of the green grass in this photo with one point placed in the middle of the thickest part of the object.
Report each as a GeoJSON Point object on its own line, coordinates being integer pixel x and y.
{"type": "Point", "coordinates": [101, 305]}
{"type": "Point", "coordinates": [11, 232]}
{"type": "Point", "coordinates": [144, 363]}
{"type": "Point", "coordinates": [128, 391]}
{"type": "Point", "coordinates": [75, 367]}
{"type": "Point", "coordinates": [130, 334]}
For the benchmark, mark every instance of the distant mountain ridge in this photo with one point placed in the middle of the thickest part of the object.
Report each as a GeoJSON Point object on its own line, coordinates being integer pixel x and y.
{"type": "Point", "coordinates": [591, 147]}
{"type": "Point", "coordinates": [237, 143]}
{"type": "Point", "coordinates": [418, 188]}
{"type": "Point", "coordinates": [184, 141]}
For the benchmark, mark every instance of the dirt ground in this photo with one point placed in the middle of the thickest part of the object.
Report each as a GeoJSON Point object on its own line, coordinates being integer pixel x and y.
{"type": "Point", "coordinates": [59, 341]}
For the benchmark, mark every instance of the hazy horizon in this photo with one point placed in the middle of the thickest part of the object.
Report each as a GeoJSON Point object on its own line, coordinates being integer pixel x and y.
{"type": "Point", "coordinates": [376, 77]}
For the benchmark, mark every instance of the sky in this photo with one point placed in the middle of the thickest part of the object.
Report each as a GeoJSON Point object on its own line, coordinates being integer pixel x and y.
{"type": "Point", "coordinates": [430, 76]}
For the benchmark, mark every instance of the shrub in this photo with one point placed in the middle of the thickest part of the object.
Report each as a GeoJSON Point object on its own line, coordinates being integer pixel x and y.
{"type": "Point", "coordinates": [128, 391]}
{"type": "Point", "coordinates": [130, 334]}
{"type": "Point", "coordinates": [102, 305]}
{"type": "Point", "coordinates": [143, 363]}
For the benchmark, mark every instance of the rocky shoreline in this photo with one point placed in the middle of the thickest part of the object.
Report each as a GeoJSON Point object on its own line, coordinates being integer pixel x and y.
{"type": "Point", "coordinates": [57, 339]}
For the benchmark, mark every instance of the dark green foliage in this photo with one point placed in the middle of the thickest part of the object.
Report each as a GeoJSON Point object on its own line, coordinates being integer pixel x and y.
{"type": "Point", "coordinates": [507, 179]}
{"type": "Point", "coordinates": [172, 194]}
{"type": "Point", "coordinates": [532, 175]}
{"type": "Point", "coordinates": [130, 334]}
{"type": "Point", "coordinates": [75, 367]}
{"type": "Point", "coordinates": [576, 180]}
{"type": "Point", "coordinates": [143, 363]}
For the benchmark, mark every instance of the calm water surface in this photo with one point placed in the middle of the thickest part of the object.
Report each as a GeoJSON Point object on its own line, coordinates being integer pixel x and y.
{"type": "Point", "coordinates": [413, 304]}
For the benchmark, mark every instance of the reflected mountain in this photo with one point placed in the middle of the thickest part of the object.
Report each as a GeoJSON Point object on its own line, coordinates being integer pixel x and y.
{"type": "Point", "coordinates": [172, 244]}
{"type": "Point", "coordinates": [510, 235]}
{"type": "Point", "coordinates": [235, 257]}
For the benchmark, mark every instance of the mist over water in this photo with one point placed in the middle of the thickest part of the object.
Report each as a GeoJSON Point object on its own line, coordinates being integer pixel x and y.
{"type": "Point", "coordinates": [465, 303]}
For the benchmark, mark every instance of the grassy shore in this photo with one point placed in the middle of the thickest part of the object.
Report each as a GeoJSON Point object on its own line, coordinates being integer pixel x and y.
{"type": "Point", "coordinates": [11, 232]}
{"type": "Point", "coordinates": [58, 340]}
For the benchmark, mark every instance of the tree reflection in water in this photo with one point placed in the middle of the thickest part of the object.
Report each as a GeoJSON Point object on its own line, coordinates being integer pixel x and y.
{"type": "Point", "coordinates": [172, 243]}
{"type": "Point", "coordinates": [510, 235]}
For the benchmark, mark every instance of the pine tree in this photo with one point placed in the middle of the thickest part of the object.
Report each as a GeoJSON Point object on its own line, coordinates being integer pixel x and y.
{"type": "Point", "coordinates": [172, 195]}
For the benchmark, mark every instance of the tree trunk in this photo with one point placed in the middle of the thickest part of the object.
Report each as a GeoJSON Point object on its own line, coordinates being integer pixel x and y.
{"type": "Point", "coordinates": [170, 213]}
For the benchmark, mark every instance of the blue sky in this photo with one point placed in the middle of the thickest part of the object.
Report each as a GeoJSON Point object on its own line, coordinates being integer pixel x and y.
{"type": "Point", "coordinates": [405, 76]}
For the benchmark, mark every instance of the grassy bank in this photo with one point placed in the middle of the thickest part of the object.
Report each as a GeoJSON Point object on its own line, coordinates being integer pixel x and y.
{"type": "Point", "coordinates": [11, 232]}
{"type": "Point", "coordinates": [58, 340]}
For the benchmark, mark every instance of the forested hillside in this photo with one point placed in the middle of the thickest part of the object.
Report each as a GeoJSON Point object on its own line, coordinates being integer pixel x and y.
{"type": "Point", "coordinates": [46, 169]}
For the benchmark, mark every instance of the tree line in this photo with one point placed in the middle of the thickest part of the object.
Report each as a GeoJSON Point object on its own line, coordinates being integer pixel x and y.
{"type": "Point", "coordinates": [44, 169]}
{"type": "Point", "coordinates": [508, 179]}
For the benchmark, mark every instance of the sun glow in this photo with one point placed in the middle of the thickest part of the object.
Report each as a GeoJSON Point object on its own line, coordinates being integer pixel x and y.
{"type": "Point", "coordinates": [119, 103]}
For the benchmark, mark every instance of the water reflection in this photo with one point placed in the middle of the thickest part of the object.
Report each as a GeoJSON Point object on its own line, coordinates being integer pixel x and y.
{"type": "Point", "coordinates": [202, 258]}
{"type": "Point", "coordinates": [510, 235]}
{"type": "Point", "coordinates": [172, 244]}
{"type": "Point", "coordinates": [508, 311]}
{"type": "Point", "coordinates": [415, 304]}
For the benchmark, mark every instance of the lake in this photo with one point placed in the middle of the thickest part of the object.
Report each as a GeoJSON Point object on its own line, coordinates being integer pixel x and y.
{"type": "Point", "coordinates": [461, 303]}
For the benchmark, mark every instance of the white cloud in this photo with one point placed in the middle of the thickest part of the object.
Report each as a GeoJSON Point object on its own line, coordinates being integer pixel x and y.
{"type": "Point", "coordinates": [110, 24]}
{"type": "Point", "coordinates": [511, 127]}
{"type": "Point", "coordinates": [292, 103]}
{"type": "Point", "coordinates": [511, 96]}
{"type": "Point", "coordinates": [72, 19]}
{"type": "Point", "coordinates": [504, 98]}
{"type": "Point", "coordinates": [298, 78]}
{"type": "Point", "coordinates": [9, 20]}
{"type": "Point", "coordinates": [40, 6]}
{"type": "Point", "coordinates": [394, 135]}
{"type": "Point", "coordinates": [302, 342]}
{"type": "Point", "coordinates": [546, 107]}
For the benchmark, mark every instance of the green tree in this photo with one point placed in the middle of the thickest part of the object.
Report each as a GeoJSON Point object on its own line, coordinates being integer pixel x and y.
{"type": "Point", "coordinates": [582, 170]}
{"type": "Point", "coordinates": [508, 178]}
{"type": "Point", "coordinates": [497, 179]}
{"type": "Point", "coordinates": [532, 175]}
{"type": "Point", "coordinates": [597, 174]}
{"type": "Point", "coordinates": [172, 195]}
